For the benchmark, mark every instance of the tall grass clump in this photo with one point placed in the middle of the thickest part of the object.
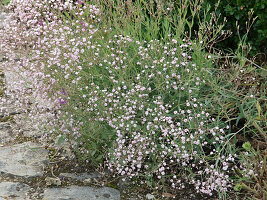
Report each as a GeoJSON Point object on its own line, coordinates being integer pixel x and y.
{"type": "Point", "coordinates": [134, 87]}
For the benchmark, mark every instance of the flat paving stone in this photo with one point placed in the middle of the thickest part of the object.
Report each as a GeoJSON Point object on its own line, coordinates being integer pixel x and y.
{"type": "Point", "coordinates": [26, 160]}
{"type": "Point", "coordinates": [13, 191]}
{"type": "Point", "coordinates": [81, 193]}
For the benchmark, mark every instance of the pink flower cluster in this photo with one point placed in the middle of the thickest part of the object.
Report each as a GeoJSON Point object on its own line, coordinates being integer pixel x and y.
{"type": "Point", "coordinates": [148, 93]}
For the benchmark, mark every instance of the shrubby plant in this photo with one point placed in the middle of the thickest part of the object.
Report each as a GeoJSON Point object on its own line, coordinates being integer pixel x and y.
{"type": "Point", "coordinates": [142, 108]}
{"type": "Point", "coordinates": [237, 12]}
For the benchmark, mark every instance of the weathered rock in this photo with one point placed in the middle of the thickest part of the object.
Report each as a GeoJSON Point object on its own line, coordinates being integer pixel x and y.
{"type": "Point", "coordinates": [5, 132]}
{"type": "Point", "coordinates": [11, 79]}
{"type": "Point", "coordinates": [1, 22]}
{"type": "Point", "coordinates": [53, 181]}
{"type": "Point", "coordinates": [2, 58]}
{"type": "Point", "coordinates": [81, 193]}
{"type": "Point", "coordinates": [27, 160]}
{"type": "Point", "coordinates": [9, 110]}
{"type": "Point", "coordinates": [81, 176]}
{"type": "Point", "coordinates": [23, 125]}
{"type": "Point", "coordinates": [13, 191]}
{"type": "Point", "coordinates": [150, 196]}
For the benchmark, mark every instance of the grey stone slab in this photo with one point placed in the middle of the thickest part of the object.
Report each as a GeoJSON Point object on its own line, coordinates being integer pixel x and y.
{"type": "Point", "coordinates": [13, 191]}
{"type": "Point", "coordinates": [81, 176]}
{"type": "Point", "coordinates": [81, 193]}
{"type": "Point", "coordinates": [26, 160]}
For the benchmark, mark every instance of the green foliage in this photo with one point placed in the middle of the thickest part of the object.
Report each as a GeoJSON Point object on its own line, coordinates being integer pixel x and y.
{"type": "Point", "coordinates": [237, 11]}
{"type": "Point", "coordinates": [238, 187]}
{"type": "Point", "coordinates": [153, 19]}
{"type": "Point", "coordinates": [119, 86]}
{"type": "Point", "coordinates": [148, 19]}
{"type": "Point", "coordinates": [247, 146]}
{"type": "Point", "coordinates": [4, 2]}
{"type": "Point", "coordinates": [229, 97]}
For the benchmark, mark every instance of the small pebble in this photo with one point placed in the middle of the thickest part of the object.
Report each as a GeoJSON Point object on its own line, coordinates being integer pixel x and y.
{"type": "Point", "coordinates": [150, 196]}
{"type": "Point", "coordinates": [52, 181]}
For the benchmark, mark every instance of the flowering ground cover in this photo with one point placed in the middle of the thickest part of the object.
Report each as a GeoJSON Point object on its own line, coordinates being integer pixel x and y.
{"type": "Point", "coordinates": [138, 90]}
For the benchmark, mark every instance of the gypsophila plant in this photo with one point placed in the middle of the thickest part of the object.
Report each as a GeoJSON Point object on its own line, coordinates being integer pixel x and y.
{"type": "Point", "coordinates": [142, 107]}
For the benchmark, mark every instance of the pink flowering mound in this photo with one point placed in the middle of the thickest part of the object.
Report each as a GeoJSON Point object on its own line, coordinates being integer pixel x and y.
{"type": "Point", "coordinates": [140, 108]}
